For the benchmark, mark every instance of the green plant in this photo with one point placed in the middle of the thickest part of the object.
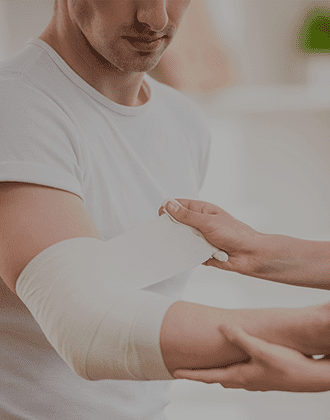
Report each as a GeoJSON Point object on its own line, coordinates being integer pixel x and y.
{"type": "Point", "coordinates": [314, 34]}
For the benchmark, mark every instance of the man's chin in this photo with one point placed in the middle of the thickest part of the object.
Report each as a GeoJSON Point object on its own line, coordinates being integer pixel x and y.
{"type": "Point", "coordinates": [141, 61]}
{"type": "Point", "coordinates": [140, 67]}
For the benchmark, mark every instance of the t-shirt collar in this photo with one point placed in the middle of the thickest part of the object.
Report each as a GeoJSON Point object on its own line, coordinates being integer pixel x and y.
{"type": "Point", "coordinates": [81, 83]}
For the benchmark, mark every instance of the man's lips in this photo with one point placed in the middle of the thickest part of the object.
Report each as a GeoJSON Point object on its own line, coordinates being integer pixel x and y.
{"type": "Point", "coordinates": [147, 40]}
{"type": "Point", "coordinates": [145, 44]}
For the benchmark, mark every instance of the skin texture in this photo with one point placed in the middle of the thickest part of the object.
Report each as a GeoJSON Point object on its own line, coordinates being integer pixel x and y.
{"type": "Point", "coordinates": [272, 257]}
{"type": "Point", "coordinates": [89, 36]}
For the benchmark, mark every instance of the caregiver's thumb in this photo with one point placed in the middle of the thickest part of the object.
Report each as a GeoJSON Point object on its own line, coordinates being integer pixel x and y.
{"type": "Point", "coordinates": [184, 215]}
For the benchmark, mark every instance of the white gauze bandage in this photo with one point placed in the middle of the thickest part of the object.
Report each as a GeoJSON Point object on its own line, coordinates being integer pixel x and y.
{"type": "Point", "coordinates": [85, 295]}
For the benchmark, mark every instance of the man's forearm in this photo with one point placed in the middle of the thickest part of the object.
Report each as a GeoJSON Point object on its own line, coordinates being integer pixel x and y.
{"type": "Point", "coordinates": [293, 261]}
{"type": "Point", "coordinates": [191, 336]}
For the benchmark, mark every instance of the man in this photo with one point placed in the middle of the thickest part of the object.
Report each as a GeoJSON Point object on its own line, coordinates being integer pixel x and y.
{"type": "Point", "coordinates": [90, 145]}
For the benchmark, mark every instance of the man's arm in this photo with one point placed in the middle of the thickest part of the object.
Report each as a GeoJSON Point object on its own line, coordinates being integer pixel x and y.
{"type": "Point", "coordinates": [271, 367]}
{"type": "Point", "coordinates": [192, 335]}
{"type": "Point", "coordinates": [33, 218]}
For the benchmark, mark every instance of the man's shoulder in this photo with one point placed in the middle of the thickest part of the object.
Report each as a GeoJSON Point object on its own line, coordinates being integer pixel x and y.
{"type": "Point", "coordinates": [14, 66]}
{"type": "Point", "coordinates": [26, 104]}
{"type": "Point", "coordinates": [27, 82]}
{"type": "Point", "coordinates": [30, 72]}
{"type": "Point", "coordinates": [18, 94]}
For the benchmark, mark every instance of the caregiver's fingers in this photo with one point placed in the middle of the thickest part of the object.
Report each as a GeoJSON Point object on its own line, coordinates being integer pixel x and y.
{"type": "Point", "coordinates": [197, 206]}
{"type": "Point", "coordinates": [202, 220]}
{"type": "Point", "coordinates": [259, 349]}
{"type": "Point", "coordinates": [253, 346]}
{"type": "Point", "coordinates": [241, 375]}
{"type": "Point", "coordinates": [223, 265]}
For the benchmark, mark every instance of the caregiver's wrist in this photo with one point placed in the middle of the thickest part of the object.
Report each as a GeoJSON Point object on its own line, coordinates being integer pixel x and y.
{"type": "Point", "coordinates": [255, 249]}
{"type": "Point", "coordinates": [290, 260]}
{"type": "Point", "coordinates": [273, 257]}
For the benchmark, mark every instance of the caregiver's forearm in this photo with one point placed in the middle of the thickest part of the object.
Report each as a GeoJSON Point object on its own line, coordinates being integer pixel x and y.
{"type": "Point", "coordinates": [293, 261]}
{"type": "Point", "coordinates": [191, 336]}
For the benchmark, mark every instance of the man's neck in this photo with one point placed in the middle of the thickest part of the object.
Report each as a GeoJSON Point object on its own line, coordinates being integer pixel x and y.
{"type": "Point", "coordinates": [124, 89]}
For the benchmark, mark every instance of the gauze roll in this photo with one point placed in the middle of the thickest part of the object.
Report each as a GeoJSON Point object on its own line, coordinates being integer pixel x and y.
{"type": "Point", "coordinates": [84, 293]}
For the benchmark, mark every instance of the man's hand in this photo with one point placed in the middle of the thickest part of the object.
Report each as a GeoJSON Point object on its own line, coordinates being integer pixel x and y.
{"type": "Point", "coordinates": [238, 240]}
{"type": "Point", "coordinates": [271, 368]}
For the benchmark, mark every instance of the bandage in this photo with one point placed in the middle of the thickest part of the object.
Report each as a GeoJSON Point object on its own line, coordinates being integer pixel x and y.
{"type": "Point", "coordinates": [217, 254]}
{"type": "Point", "coordinates": [86, 296]}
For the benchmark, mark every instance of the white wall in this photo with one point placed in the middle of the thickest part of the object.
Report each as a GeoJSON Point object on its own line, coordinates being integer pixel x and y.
{"type": "Point", "coordinates": [262, 37]}
{"type": "Point", "coordinates": [21, 20]}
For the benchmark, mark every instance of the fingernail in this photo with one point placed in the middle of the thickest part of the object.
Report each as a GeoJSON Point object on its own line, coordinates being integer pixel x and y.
{"type": "Point", "coordinates": [174, 207]}
{"type": "Point", "coordinates": [220, 256]}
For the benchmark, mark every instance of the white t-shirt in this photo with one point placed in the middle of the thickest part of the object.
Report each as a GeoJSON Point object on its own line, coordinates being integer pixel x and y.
{"type": "Point", "coordinates": [56, 130]}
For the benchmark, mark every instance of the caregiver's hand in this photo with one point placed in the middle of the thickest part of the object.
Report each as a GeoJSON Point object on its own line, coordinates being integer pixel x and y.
{"type": "Point", "coordinates": [273, 257]}
{"type": "Point", "coordinates": [238, 240]}
{"type": "Point", "coordinates": [271, 368]}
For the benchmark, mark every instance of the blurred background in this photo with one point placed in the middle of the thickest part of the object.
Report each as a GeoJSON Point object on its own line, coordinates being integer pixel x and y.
{"type": "Point", "coordinates": [260, 70]}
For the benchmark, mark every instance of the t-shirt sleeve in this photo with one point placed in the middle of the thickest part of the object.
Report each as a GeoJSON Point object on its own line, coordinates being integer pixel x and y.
{"type": "Point", "coordinates": [38, 141]}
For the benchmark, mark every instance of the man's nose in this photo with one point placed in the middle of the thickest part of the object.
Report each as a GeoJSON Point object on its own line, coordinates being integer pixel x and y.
{"type": "Point", "coordinates": [153, 13]}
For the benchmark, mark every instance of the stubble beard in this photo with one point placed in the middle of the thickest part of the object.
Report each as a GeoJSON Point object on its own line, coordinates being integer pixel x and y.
{"type": "Point", "coordinates": [136, 62]}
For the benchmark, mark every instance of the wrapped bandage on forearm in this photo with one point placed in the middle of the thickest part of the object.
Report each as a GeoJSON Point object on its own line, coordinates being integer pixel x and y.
{"type": "Point", "coordinates": [84, 294]}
